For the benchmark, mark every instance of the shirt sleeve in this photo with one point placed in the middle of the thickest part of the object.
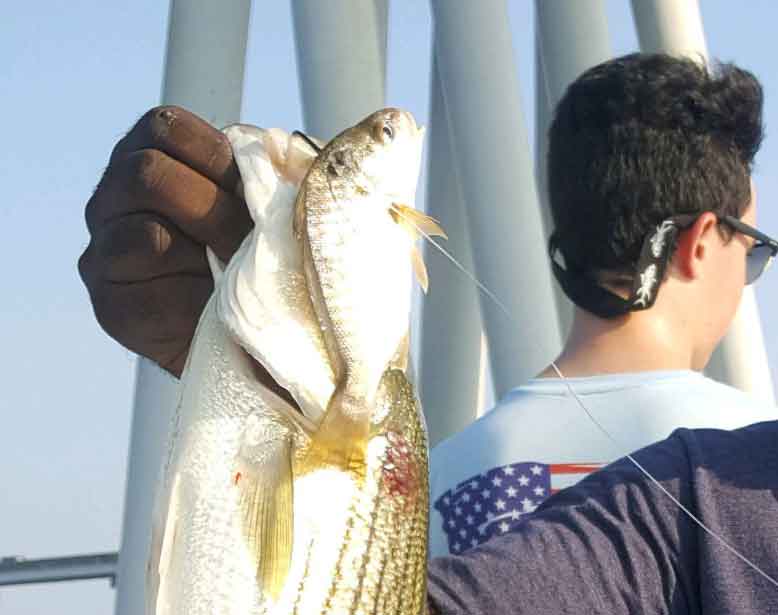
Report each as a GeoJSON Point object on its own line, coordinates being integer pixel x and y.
{"type": "Point", "coordinates": [611, 544]}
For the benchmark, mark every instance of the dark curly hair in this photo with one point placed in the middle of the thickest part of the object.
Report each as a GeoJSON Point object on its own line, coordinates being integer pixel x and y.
{"type": "Point", "coordinates": [641, 138]}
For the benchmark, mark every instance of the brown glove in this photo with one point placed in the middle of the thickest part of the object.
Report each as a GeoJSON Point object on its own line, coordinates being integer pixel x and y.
{"type": "Point", "coordinates": [169, 190]}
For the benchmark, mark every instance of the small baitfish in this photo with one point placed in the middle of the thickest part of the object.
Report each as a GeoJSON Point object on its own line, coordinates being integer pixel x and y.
{"type": "Point", "coordinates": [264, 508]}
{"type": "Point", "coordinates": [352, 217]}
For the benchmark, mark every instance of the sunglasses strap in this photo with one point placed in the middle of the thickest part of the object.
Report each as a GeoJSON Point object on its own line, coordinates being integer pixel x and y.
{"type": "Point", "coordinates": [585, 291]}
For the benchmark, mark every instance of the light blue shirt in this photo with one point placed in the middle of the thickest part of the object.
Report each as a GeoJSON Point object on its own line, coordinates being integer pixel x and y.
{"type": "Point", "coordinates": [542, 425]}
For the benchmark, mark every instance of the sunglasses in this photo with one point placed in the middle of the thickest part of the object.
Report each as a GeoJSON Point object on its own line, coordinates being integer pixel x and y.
{"type": "Point", "coordinates": [761, 253]}
{"type": "Point", "coordinates": [758, 257]}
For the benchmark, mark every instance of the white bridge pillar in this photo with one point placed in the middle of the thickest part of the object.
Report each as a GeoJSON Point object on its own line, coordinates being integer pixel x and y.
{"type": "Point", "coordinates": [479, 81]}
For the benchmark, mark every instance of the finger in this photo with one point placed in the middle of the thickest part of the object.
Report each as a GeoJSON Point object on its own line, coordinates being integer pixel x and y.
{"type": "Point", "coordinates": [187, 138]}
{"type": "Point", "coordinates": [155, 318]}
{"type": "Point", "coordinates": [144, 246]}
{"type": "Point", "coordinates": [152, 181]}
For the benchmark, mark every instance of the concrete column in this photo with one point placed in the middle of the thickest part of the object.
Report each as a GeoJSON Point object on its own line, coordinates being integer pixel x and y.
{"type": "Point", "coordinates": [492, 160]}
{"type": "Point", "coordinates": [341, 61]}
{"type": "Point", "coordinates": [451, 319]}
{"type": "Point", "coordinates": [571, 37]}
{"type": "Point", "coordinates": [670, 26]}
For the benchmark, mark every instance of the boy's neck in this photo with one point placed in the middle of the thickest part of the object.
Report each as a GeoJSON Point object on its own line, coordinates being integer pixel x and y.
{"type": "Point", "coordinates": [640, 341]}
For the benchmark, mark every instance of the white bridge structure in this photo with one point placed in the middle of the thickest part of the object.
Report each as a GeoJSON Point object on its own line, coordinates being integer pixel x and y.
{"type": "Point", "coordinates": [486, 189]}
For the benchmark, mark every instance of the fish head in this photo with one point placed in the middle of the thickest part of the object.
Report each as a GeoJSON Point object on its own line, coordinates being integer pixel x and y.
{"type": "Point", "coordinates": [381, 154]}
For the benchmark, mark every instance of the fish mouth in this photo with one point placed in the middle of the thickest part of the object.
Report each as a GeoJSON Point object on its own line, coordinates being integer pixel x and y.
{"type": "Point", "coordinates": [411, 120]}
{"type": "Point", "coordinates": [416, 130]}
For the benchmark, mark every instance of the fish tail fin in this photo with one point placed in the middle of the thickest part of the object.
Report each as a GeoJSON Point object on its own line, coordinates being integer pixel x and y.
{"type": "Point", "coordinates": [341, 439]}
{"type": "Point", "coordinates": [266, 505]}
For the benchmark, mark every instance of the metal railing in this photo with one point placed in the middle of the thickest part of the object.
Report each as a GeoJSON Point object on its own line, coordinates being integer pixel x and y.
{"type": "Point", "coordinates": [22, 571]}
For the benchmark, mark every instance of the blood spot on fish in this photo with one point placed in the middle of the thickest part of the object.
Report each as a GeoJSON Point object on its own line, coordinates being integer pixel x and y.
{"type": "Point", "coordinates": [400, 468]}
{"type": "Point", "coordinates": [238, 476]}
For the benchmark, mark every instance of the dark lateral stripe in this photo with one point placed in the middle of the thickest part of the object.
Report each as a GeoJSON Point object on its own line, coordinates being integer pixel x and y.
{"type": "Point", "coordinates": [375, 512]}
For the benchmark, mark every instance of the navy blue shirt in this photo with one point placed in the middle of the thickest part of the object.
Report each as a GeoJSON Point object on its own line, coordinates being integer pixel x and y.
{"type": "Point", "coordinates": [616, 544]}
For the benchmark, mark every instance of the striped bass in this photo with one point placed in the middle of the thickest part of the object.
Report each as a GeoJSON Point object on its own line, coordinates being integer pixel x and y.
{"type": "Point", "coordinates": [264, 507]}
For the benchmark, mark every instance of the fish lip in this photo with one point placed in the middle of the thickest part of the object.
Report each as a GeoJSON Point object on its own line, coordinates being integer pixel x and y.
{"type": "Point", "coordinates": [411, 120]}
{"type": "Point", "coordinates": [418, 129]}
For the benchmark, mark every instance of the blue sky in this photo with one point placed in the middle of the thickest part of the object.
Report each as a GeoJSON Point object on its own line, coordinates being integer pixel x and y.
{"type": "Point", "coordinates": [77, 75]}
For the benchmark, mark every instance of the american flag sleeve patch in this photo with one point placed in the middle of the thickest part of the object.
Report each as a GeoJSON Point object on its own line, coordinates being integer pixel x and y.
{"type": "Point", "coordinates": [492, 503]}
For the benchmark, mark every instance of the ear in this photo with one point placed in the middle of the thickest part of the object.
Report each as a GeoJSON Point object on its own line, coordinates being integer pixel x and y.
{"type": "Point", "coordinates": [695, 245]}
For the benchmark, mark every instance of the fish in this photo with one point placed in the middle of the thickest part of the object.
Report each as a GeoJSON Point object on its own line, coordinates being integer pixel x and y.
{"type": "Point", "coordinates": [357, 230]}
{"type": "Point", "coordinates": [259, 508]}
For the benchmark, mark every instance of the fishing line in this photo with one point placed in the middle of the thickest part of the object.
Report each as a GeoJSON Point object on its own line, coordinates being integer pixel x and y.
{"type": "Point", "coordinates": [597, 423]}
{"type": "Point", "coordinates": [648, 475]}
{"type": "Point", "coordinates": [456, 263]}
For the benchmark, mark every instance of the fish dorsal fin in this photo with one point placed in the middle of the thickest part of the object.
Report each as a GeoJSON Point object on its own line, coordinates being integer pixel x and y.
{"type": "Point", "coordinates": [298, 221]}
{"type": "Point", "coordinates": [266, 505]}
{"type": "Point", "coordinates": [416, 222]}
{"type": "Point", "coordinates": [419, 268]}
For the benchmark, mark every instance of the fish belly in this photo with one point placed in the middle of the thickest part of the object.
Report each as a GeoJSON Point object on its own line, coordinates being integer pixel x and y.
{"type": "Point", "coordinates": [200, 563]}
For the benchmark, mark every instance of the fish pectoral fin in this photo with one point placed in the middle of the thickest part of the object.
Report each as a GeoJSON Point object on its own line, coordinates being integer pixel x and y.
{"type": "Point", "coordinates": [341, 439]}
{"type": "Point", "coordinates": [416, 222]}
{"type": "Point", "coordinates": [419, 268]}
{"type": "Point", "coordinates": [266, 505]}
{"type": "Point", "coordinates": [298, 221]}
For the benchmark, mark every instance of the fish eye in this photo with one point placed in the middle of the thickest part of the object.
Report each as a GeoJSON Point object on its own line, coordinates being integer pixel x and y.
{"type": "Point", "coordinates": [388, 132]}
